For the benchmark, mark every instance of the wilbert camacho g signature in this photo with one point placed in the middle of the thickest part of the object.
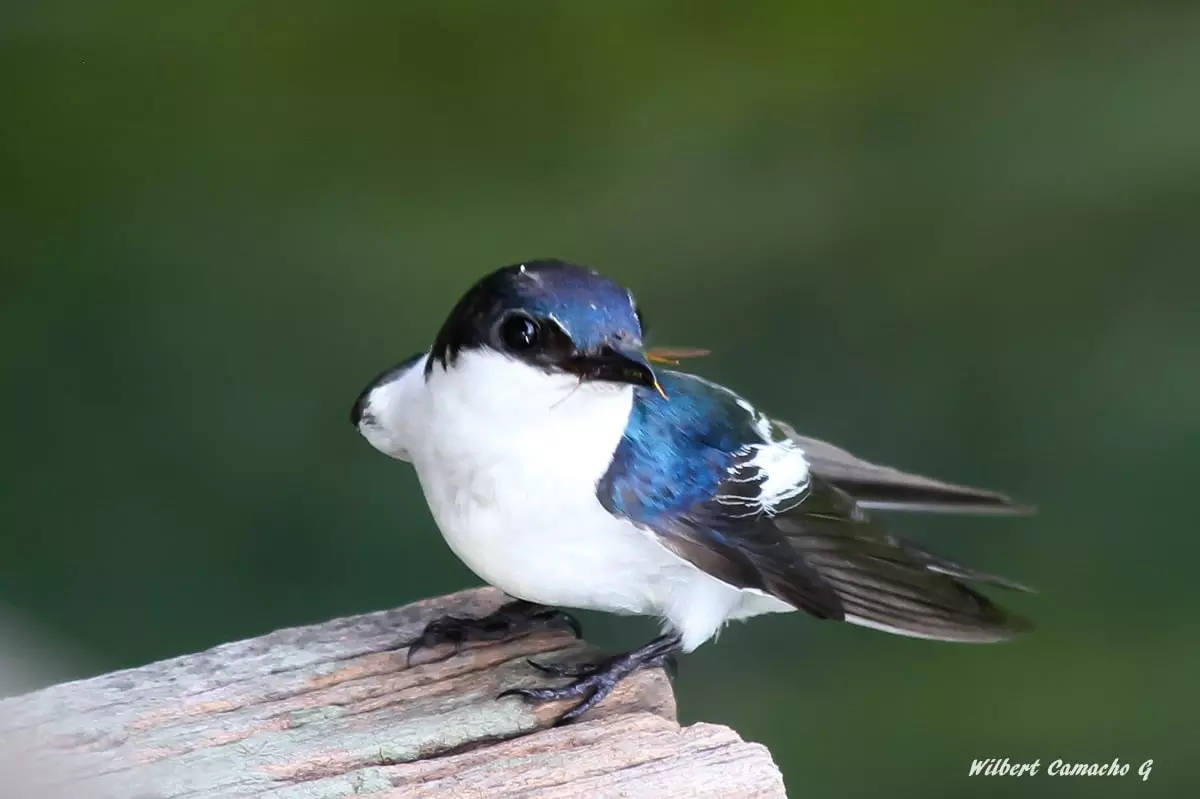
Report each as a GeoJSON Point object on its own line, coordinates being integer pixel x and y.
{"type": "Point", "coordinates": [1003, 767]}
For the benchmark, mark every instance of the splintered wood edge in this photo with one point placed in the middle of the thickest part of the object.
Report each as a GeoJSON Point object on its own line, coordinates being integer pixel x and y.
{"type": "Point", "coordinates": [334, 710]}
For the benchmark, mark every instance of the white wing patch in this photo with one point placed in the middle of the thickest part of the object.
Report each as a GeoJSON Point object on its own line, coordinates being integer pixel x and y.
{"type": "Point", "coordinates": [785, 472]}
{"type": "Point", "coordinates": [768, 477]}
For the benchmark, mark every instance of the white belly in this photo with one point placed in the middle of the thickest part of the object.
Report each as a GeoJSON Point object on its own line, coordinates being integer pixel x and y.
{"type": "Point", "coordinates": [539, 539]}
{"type": "Point", "coordinates": [554, 547]}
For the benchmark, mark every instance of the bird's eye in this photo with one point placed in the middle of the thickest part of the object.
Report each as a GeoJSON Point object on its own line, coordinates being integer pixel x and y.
{"type": "Point", "coordinates": [520, 333]}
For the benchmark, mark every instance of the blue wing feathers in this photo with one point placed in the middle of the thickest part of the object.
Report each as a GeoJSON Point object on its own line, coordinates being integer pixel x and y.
{"type": "Point", "coordinates": [687, 469]}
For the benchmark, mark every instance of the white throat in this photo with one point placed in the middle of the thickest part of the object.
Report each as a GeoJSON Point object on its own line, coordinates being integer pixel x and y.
{"type": "Point", "coordinates": [487, 408]}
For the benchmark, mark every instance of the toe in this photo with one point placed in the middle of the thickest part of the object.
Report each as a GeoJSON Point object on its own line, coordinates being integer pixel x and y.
{"type": "Point", "coordinates": [576, 712]}
{"type": "Point", "coordinates": [565, 669]}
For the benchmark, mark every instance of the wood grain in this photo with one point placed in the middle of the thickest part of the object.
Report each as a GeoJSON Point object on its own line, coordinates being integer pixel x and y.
{"type": "Point", "coordinates": [332, 710]}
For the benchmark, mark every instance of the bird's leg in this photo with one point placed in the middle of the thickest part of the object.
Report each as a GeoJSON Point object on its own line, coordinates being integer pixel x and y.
{"type": "Point", "coordinates": [509, 621]}
{"type": "Point", "coordinates": [594, 682]}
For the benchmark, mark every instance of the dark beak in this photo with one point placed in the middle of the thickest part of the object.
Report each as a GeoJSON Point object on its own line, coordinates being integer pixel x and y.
{"type": "Point", "coordinates": [616, 364]}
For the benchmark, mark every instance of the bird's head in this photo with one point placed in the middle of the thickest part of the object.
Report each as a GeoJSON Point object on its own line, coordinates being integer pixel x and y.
{"type": "Point", "coordinates": [554, 317]}
{"type": "Point", "coordinates": [538, 341]}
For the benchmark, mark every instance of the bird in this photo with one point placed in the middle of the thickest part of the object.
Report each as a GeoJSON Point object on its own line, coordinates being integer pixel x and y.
{"type": "Point", "coordinates": [567, 466]}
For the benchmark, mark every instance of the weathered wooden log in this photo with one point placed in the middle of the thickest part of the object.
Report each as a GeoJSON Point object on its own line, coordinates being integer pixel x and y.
{"type": "Point", "coordinates": [332, 710]}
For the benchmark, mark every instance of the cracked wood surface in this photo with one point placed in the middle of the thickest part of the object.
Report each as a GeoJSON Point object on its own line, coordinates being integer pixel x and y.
{"type": "Point", "coordinates": [332, 710]}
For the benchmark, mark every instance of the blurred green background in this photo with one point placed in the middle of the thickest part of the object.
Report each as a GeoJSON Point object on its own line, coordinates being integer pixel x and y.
{"type": "Point", "coordinates": [956, 237]}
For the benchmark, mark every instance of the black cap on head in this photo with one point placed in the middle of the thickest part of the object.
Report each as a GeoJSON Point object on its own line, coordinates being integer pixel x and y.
{"type": "Point", "coordinates": [551, 314]}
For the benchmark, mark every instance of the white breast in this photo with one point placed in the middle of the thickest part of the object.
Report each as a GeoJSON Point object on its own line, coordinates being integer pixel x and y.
{"type": "Point", "coordinates": [509, 458]}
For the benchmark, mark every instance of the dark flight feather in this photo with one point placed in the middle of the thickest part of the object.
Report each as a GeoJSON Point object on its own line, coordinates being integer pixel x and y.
{"type": "Point", "coordinates": [886, 580]}
{"type": "Point", "coordinates": [876, 487]}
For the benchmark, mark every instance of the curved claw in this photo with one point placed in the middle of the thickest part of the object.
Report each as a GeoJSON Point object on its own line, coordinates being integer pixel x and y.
{"type": "Point", "coordinates": [577, 711]}
{"type": "Point", "coordinates": [570, 691]}
{"type": "Point", "coordinates": [523, 693]}
{"type": "Point", "coordinates": [593, 688]}
{"type": "Point", "coordinates": [566, 669]}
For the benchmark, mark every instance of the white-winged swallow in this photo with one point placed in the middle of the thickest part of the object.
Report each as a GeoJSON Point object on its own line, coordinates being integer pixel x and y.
{"type": "Point", "coordinates": [568, 470]}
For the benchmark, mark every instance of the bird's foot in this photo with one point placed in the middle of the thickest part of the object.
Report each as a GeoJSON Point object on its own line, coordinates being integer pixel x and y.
{"type": "Point", "coordinates": [511, 620]}
{"type": "Point", "coordinates": [594, 681]}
